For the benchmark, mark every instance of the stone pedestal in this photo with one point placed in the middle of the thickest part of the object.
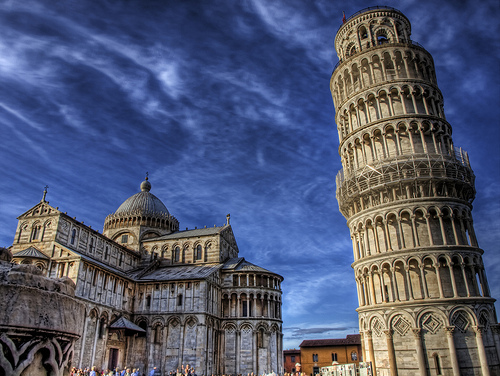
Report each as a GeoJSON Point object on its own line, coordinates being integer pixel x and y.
{"type": "Point", "coordinates": [40, 321]}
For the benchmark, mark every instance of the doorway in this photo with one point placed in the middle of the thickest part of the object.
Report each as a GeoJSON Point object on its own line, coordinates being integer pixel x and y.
{"type": "Point", "coordinates": [113, 358]}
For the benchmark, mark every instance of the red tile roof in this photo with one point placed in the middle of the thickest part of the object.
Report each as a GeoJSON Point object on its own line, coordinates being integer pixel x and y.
{"type": "Point", "coordinates": [351, 339]}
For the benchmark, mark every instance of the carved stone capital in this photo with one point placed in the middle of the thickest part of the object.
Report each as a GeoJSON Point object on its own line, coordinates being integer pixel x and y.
{"type": "Point", "coordinates": [479, 329]}
{"type": "Point", "coordinates": [417, 333]}
{"type": "Point", "coordinates": [368, 334]}
{"type": "Point", "coordinates": [449, 330]}
{"type": "Point", "coordinates": [388, 333]}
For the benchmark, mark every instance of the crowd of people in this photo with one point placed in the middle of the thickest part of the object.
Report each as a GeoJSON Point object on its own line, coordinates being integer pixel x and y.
{"type": "Point", "coordinates": [127, 371]}
{"type": "Point", "coordinates": [183, 371]}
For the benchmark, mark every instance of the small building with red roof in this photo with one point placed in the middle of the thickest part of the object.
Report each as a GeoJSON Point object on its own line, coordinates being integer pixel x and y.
{"type": "Point", "coordinates": [317, 353]}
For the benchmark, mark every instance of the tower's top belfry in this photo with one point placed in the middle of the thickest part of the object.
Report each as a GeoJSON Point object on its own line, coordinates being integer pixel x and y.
{"type": "Point", "coordinates": [370, 27]}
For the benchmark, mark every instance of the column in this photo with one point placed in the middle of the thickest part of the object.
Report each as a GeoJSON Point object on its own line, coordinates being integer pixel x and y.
{"type": "Point", "coordinates": [415, 108]}
{"type": "Point", "coordinates": [358, 119]}
{"type": "Point", "coordinates": [382, 286]}
{"type": "Point", "coordinates": [408, 281]}
{"type": "Point", "coordinates": [238, 350]}
{"type": "Point", "coordinates": [388, 235]}
{"type": "Point", "coordinates": [372, 288]}
{"type": "Point", "coordinates": [363, 352]}
{"type": "Point", "coordinates": [403, 102]}
{"type": "Point", "coordinates": [438, 277]}
{"type": "Point", "coordinates": [443, 232]}
{"type": "Point", "coordinates": [431, 242]}
{"type": "Point", "coordinates": [82, 338]}
{"type": "Point", "coordinates": [414, 229]}
{"type": "Point", "coordinates": [357, 255]}
{"type": "Point", "coordinates": [420, 351]}
{"type": "Point", "coordinates": [454, 227]}
{"type": "Point", "coordinates": [390, 351]}
{"type": "Point", "coordinates": [367, 241]}
{"type": "Point", "coordinates": [425, 104]}
{"type": "Point", "coordinates": [373, 148]}
{"type": "Point", "coordinates": [422, 138]}
{"type": "Point", "coordinates": [480, 349]}
{"type": "Point", "coordinates": [424, 282]}
{"type": "Point", "coordinates": [391, 104]}
{"type": "Point", "coordinates": [360, 292]}
{"type": "Point", "coordinates": [466, 282]}
{"type": "Point", "coordinates": [395, 290]}
{"type": "Point", "coordinates": [375, 236]}
{"type": "Point", "coordinates": [400, 227]}
{"type": "Point", "coordinates": [453, 352]}
{"type": "Point", "coordinates": [92, 359]}
{"type": "Point", "coordinates": [453, 282]}
{"type": "Point", "coordinates": [181, 349]}
{"type": "Point", "coordinates": [371, 352]}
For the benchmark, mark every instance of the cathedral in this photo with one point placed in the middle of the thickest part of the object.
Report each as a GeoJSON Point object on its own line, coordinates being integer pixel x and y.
{"type": "Point", "coordinates": [155, 296]}
{"type": "Point", "coordinates": [406, 191]}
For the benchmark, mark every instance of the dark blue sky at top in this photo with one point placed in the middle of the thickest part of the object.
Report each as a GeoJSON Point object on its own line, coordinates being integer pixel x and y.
{"type": "Point", "coordinates": [226, 104]}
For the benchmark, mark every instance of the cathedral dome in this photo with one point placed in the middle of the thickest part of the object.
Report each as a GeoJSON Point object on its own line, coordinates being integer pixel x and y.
{"type": "Point", "coordinates": [143, 203]}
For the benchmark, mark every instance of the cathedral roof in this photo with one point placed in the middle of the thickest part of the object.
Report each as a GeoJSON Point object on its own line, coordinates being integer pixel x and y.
{"type": "Point", "coordinates": [177, 273]}
{"type": "Point", "coordinates": [31, 252]}
{"type": "Point", "coordinates": [239, 264]}
{"type": "Point", "coordinates": [143, 203]}
{"type": "Point", "coordinates": [190, 233]}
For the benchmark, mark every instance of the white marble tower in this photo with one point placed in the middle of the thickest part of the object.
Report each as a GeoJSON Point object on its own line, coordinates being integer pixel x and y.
{"type": "Point", "coordinates": [406, 192]}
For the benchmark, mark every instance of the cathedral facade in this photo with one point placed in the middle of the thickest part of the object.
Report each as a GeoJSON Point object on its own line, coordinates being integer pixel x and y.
{"type": "Point", "coordinates": [156, 296]}
{"type": "Point", "coordinates": [406, 191]}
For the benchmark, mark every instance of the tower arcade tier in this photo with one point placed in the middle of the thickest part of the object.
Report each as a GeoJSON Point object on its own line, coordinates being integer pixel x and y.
{"type": "Point", "coordinates": [406, 192]}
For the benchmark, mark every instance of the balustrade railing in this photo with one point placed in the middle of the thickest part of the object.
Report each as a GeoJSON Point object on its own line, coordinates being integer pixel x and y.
{"type": "Point", "coordinates": [455, 166]}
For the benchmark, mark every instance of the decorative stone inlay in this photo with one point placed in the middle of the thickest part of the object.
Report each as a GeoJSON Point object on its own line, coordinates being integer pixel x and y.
{"type": "Point", "coordinates": [430, 323]}
{"type": "Point", "coordinates": [401, 325]}
{"type": "Point", "coordinates": [460, 321]}
{"type": "Point", "coordinates": [377, 327]}
{"type": "Point", "coordinates": [483, 320]}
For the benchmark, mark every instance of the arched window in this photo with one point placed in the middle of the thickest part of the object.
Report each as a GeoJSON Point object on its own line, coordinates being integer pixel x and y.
{"type": "Point", "coordinates": [157, 337]}
{"type": "Point", "coordinates": [381, 39]}
{"type": "Point", "coordinates": [143, 325]}
{"type": "Point", "coordinates": [73, 236]}
{"type": "Point", "coordinates": [198, 252]}
{"type": "Point", "coordinates": [315, 357]}
{"type": "Point", "coordinates": [354, 356]}
{"type": "Point", "coordinates": [334, 357]}
{"type": "Point", "coordinates": [177, 254]}
{"type": "Point", "coordinates": [102, 322]}
{"type": "Point", "coordinates": [35, 233]}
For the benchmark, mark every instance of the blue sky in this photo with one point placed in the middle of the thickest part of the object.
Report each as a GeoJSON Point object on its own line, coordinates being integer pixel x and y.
{"type": "Point", "coordinates": [226, 104]}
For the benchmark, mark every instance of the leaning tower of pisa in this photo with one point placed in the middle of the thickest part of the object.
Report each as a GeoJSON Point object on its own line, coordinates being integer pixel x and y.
{"type": "Point", "coordinates": [406, 192]}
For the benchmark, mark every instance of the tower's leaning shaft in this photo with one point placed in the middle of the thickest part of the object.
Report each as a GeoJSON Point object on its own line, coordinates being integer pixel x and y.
{"type": "Point", "coordinates": [406, 192]}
